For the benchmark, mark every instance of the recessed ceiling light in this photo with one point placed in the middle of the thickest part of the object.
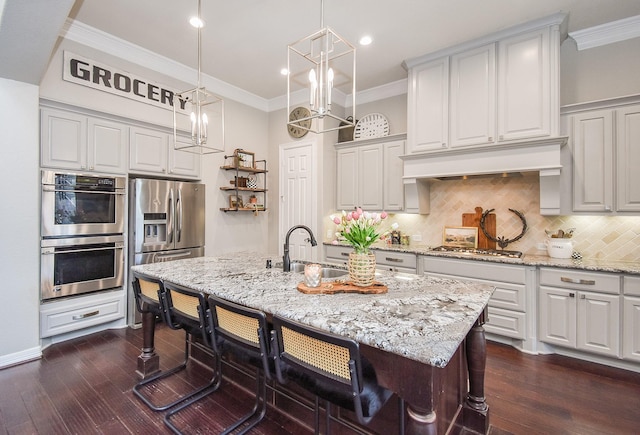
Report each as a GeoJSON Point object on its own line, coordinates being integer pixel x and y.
{"type": "Point", "coordinates": [284, 71]}
{"type": "Point", "coordinates": [196, 22]}
{"type": "Point", "coordinates": [366, 40]}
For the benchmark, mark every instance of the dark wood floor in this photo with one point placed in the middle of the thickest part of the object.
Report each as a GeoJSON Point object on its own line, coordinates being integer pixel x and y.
{"type": "Point", "coordinates": [83, 386]}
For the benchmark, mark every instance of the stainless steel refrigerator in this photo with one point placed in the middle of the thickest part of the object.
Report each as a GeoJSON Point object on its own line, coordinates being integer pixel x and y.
{"type": "Point", "coordinates": [166, 222]}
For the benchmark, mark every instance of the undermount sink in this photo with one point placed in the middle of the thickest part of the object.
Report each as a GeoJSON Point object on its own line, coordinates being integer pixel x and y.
{"type": "Point", "coordinates": [327, 272]}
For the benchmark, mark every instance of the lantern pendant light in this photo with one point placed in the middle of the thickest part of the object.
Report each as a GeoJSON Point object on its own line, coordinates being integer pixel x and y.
{"type": "Point", "coordinates": [321, 72]}
{"type": "Point", "coordinates": [198, 115]}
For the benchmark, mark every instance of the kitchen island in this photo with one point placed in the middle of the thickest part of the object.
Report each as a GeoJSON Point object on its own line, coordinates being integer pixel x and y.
{"type": "Point", "coordinates": [424, 336]}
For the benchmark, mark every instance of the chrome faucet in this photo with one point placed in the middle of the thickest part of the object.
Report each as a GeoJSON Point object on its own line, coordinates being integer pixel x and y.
{"type": "Point", "coordinates": [286, 262]}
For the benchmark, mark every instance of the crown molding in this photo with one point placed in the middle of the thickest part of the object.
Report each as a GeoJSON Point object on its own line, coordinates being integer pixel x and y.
{"type": "Point", "coordinates": [90, 36]}
{"type": "Point", "coordinates": [608, 33]}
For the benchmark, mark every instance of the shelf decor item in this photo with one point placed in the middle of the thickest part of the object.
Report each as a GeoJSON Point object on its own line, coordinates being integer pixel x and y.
{"type": "Point", "coordinates": [371, 126]}
{"type": "Point", "coordinates": [360, 229]}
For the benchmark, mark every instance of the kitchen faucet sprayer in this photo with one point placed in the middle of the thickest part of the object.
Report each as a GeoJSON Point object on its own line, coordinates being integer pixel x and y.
{"type": "Point", "coordinates": [286, 262]}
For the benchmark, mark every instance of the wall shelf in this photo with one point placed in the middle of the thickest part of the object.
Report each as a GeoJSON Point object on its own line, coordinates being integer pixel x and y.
{"type": "Point", "coordinates": [240, 188]}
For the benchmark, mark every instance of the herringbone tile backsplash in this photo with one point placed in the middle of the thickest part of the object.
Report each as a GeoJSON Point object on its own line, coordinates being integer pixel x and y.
{"type": "Point", "coordinates": [599, 237]}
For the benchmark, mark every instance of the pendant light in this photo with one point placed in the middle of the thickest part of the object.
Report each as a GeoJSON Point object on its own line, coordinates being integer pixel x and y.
{"type": "Point", "coordinates": [321, 71]}
{"type": "Point", "coordinates": [197, 113]}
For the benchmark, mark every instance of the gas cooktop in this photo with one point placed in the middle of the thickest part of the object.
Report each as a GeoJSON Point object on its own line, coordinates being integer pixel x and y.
{"type": "Point", "coordinates": [478, 251]}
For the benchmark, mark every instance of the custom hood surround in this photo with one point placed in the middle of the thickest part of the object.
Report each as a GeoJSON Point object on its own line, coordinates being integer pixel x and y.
{"type": "Point", "coordinates": [543, 156]}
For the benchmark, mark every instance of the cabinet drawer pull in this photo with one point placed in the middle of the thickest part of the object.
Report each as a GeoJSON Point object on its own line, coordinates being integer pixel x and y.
{"type": "Point", "coordinates": [344, 254]}
{"type": "Point", "coordinates": [394, 260]}
{"type": "Point", "coordinates": [578, 281]}
{"type": "Point", "coordinates": [85, 315]}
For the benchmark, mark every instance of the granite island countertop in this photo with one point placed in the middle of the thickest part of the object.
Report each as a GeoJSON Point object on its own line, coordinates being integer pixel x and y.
{"type": "Point", "coordinates": [588, 264]}
{"type": "Point", "coordinates": [421, 318]}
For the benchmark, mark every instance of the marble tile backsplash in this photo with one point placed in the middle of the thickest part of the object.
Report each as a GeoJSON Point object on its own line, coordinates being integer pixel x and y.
{"type": "Point", "coordinates": [601, 237]}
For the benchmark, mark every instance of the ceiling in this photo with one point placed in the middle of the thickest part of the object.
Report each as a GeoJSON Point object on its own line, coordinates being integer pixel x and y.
{"type": "Point", "coordinates": [245, 41]}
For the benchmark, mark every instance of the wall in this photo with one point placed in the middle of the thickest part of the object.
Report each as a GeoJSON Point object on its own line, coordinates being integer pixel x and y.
{"type": "Point", "coordinates": [599, 73]}
{"type": "Point", "coordinates": [19, 222]}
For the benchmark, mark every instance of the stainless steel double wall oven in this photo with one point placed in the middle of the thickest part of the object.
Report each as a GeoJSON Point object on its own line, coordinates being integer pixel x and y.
{"type": "Point", "coordinates": [82, 245]}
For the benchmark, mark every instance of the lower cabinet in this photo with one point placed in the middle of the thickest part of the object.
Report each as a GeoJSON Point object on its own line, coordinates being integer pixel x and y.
{"type": "Point", "coordinates": [508, 309]}
{"type": "Point", "coordinates": [580, 310]}
{"type": "Point", "coordinates": [337, 254]}
{"type": "Point", "coordinates": [67, 315]}
{"type": "Point", "coordinates": [396, 261]}
{"type": "Point", "coordinates": [631, 318]}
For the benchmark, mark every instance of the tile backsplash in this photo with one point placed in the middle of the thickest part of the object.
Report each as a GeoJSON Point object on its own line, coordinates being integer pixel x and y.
{"type": "Point", "coordinates": [600, 237]}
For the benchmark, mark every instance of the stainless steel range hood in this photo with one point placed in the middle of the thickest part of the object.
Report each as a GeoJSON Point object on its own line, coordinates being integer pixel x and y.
{"type": "Point", "coordinates": [543, 156]}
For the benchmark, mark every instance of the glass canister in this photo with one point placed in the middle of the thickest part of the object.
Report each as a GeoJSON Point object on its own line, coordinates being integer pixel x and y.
{"type": "Point", "coordinates": [312, 275]}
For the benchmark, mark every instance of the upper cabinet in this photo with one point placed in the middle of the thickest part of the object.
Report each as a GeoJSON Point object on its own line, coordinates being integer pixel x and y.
{"type": "Point", "coordinates": [79, 142]}
{"type": "Point", "coordinates": [498, 89]}
{"type": "Point", "coordinates": [153, 152]}
{"type": "Point", "coordinates": [85, 142]}
{"type": "Point", "coordinates": [606, 158]}
{"type": "Point", "coordinates": [369, 175]}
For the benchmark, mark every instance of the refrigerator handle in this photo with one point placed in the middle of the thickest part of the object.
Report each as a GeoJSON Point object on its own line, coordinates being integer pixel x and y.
{"type": "Point", "coordinates": [170, 219]}
{"type": "Point", "coordinates": [179, 217]}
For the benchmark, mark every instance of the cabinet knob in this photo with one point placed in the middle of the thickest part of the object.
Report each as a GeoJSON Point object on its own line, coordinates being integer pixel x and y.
{"type": "Point", "coordinates": [607, 208]}
{"type": "Point", "coordinates": [444, 144]}
{"type": "Point", "coordinates": [583, 297]}
{"type": "Point", "coordinates": [490, 138]}
{"type": "Point", "coordinates": [572, 295]}
{"type": "Point", "coordinates": [501, 137]}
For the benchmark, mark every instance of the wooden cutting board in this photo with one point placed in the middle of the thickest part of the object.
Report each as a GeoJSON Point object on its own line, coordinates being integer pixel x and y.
{"type": "Point", "coordinates": [333, 287]}
{"type": "Point", "coordinates": [473, 220]}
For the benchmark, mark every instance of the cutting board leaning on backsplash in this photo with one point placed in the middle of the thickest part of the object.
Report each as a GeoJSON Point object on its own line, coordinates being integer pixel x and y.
{"type": "Point", "coordinates": [473, 220]}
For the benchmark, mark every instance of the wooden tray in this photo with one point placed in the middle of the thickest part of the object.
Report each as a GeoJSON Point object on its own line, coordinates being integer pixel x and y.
{"type": "Point", "coordinates": [473, 220]}
{"type": "Point", "coordinates": [333, 287]}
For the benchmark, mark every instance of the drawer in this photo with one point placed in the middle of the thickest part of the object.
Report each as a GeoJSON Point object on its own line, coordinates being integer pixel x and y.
{"type": "Point", "coordinates": [475, 269]}
{"type": "Point", "coordinates": [337, 253]}
{"type": "Point", "coordinates": [69, 315]}
{"type": "Point", "coordinates": [396, 259]}
{"type": "Point", "coordinates": [579, 280]}
{"type": "Point", "coordinates": [508, 296]}
{"type": "Point", "coordinates": [506, 323]}
{"type": "Point", "coordinates": [631, 285]}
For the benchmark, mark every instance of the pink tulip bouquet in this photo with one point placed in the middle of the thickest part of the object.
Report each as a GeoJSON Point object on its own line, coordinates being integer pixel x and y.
{"type": "Point", "coordinates": [359, 228]}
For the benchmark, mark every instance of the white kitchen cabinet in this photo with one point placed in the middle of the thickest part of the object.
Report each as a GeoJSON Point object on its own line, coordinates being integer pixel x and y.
{"type": "Point", "coordinates": [337, 254]}
{"type": "Point", "coordinates": [393, 186]}
{"type": "Point", "coordinates": [396, 261]}
{"type": "Point", "coordinates": [497, 89]}
{"type": "Point", "coordinates": [370, 175]}
{"type": "Point", "coordinates": [152, 152]}
{"type": "Point", "coordinates": [66, 315]}
{"type": "Point", "coordinates": [508, 309]}
{"type": "Point", "coordinates": [79, 142]}
{"type": "Point", "coordinates": [472, 112]}
{"type": "Point", "coordinates": [628, 158]}
{"type": "Point", "coordinates": [428, 106]}
{"type": "Point", "coordinates": [631, 318]}
{"type": "Point", "coordinates": [527, 86]}
{"type": "Point", "coordinates": [592, 138]}
{"type": "Point", "coordinates": [605, 159]}
{"type": "Point", "coordinates": [580, 310]}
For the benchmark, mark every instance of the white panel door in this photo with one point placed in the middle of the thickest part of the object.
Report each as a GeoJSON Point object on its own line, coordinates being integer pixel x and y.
{"type": "Point", "coordinates": [524, 86]}
{"type": "Point", "coordinates": [599, 323]}
{"type": "Point", "coordinates": [558, 316]}
{"type": "Point", "coordinates": [593, 161]}
{"type": "Point", "coordinates": [631, 329]}
{"type": "Point", "coordinates": [298, 201]}
{"type": "Point", "coordinates": [64, 139]}
{"type": "Point", "coordinates": [148, 150]}
{"type": "Point", "coordinates": [393, 189]}
{"type": "Point", "coordinates": [628, 160]}
{"type": "Point", "coordinates": [370, 177]}
{"type": "Point", "coordinates": [347, 178]}
{"type": "Point", "coordinates": [473, 97]}
{"type": "Point", "coordinates": [428, 106]}
{"type": "Point", "coordinates": [107, 146]}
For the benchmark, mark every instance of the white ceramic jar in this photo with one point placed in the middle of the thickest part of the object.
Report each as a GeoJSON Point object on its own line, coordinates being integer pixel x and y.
{"type": "Point", "coordinates": [559, 248]}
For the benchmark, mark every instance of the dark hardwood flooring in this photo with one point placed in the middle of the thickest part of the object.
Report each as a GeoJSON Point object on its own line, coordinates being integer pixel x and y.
{"type": "Point", "coordinates": [83, 386]}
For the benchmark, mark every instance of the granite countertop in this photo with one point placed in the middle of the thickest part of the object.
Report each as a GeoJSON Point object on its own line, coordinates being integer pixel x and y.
{"type": "Point", "coordinates": [421, 318]}
{"type": "Point", "coordinates": [588, 264]}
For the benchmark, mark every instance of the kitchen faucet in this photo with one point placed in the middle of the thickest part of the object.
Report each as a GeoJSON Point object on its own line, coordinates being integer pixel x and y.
{"type": "Point", "coordinates": [286, 262]}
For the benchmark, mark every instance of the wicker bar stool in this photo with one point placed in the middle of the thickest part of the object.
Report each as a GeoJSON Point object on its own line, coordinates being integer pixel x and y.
{"type": "Point", "coordinates": [330, 367]}
{"type": "Point", "coordinates": [241, 331]}
{"type": "Point", "coordinates": [151, 296]}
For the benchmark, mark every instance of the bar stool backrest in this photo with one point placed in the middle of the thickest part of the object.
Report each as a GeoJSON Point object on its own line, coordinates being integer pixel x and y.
{"type": "Point", "coordinates": [182, 307]}
{"type": "Point", "coordinates": [147, 292]}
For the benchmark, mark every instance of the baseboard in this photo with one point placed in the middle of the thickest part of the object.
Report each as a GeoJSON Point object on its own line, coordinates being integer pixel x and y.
{"type": "Point", "coordinates": [20, 357]}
